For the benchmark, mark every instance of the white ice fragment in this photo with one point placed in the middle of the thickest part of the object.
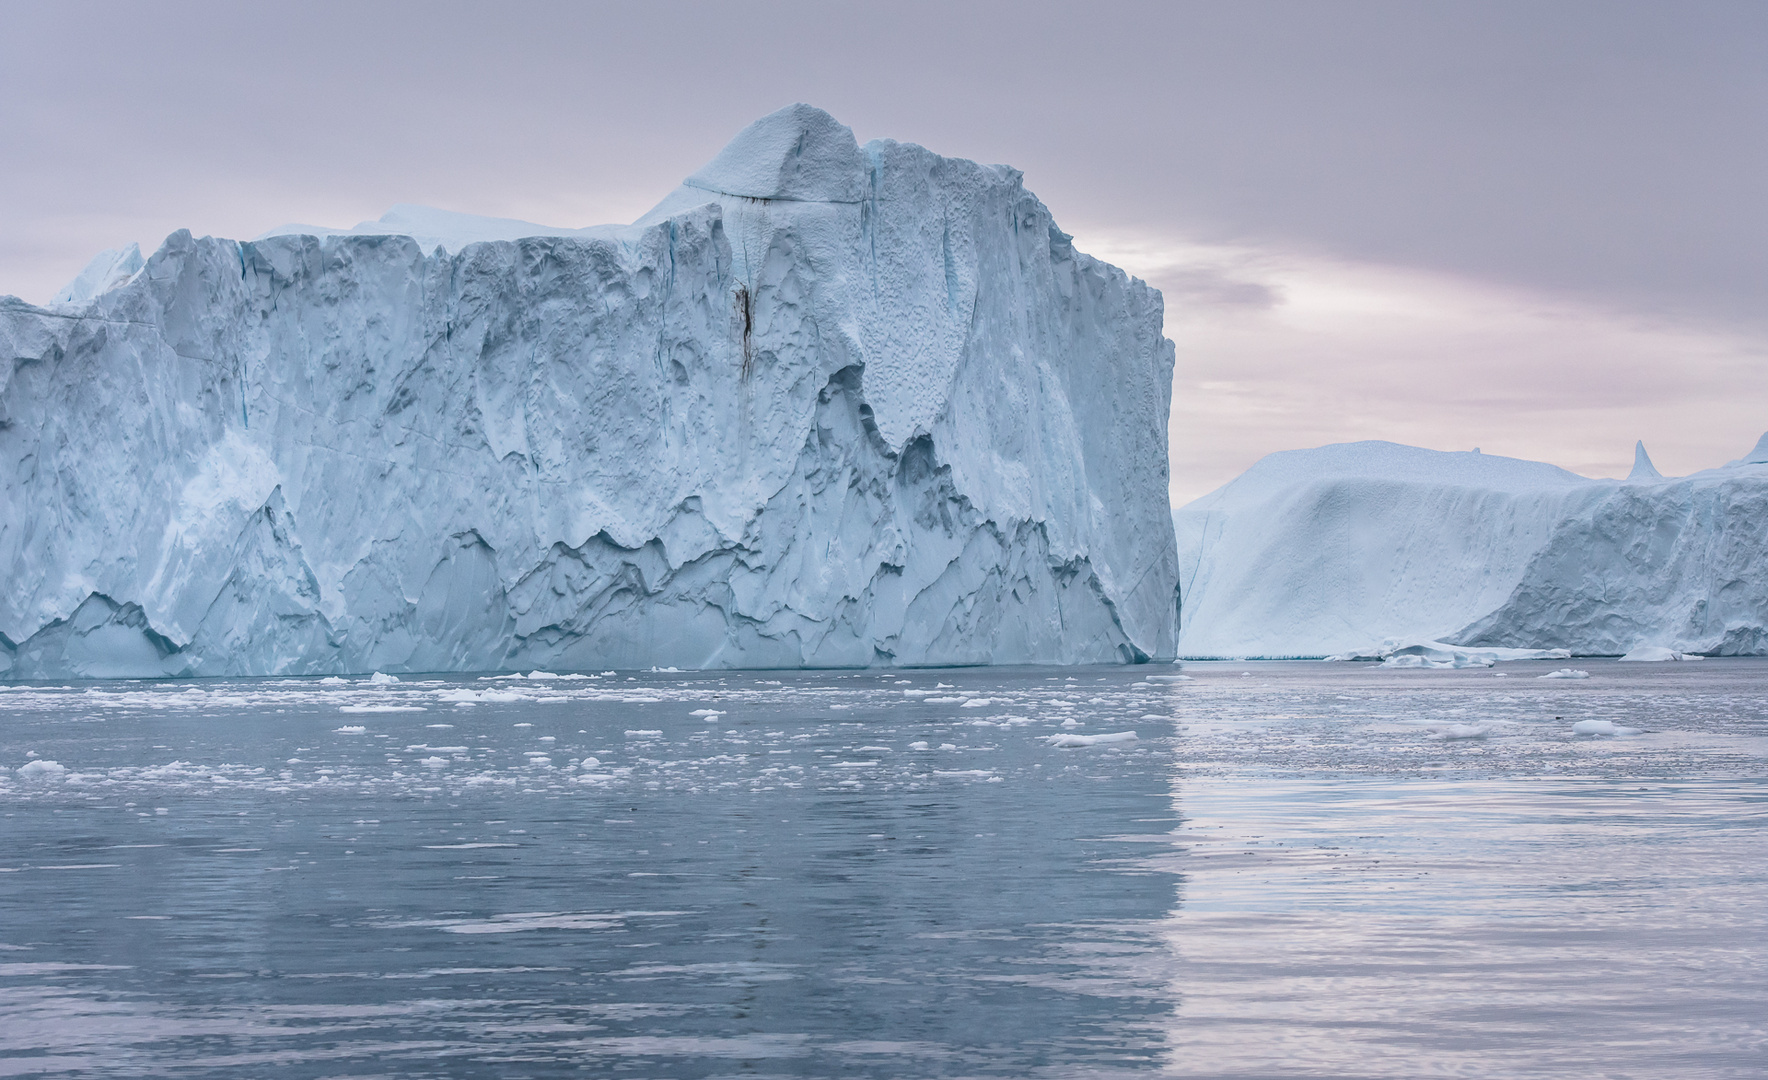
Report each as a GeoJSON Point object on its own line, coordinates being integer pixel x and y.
{"type": "Point", "coordinates": [381, 678]}
{"type": "Point", "coordinates": [350, 729]}
{"type": "Point", "coordinates": [1648, 654]}
{"type": "Point", "coordinates": [708, 714]}
{"type": "Point", "coordinates": [1601, 727]}
{"type": "Point", "coordinates": [948, 746]}
{"type": "Point", "coordinates": [333, 680]}
{"type": "Point", "coordinates": [42, 769]}
{"type": "Point", "coordinates": [977, 702]}
{"type": "Point", "coordinates": [1566, 673]}
{"type": "Point", "coordinates": [1452, 732]}
{"type": "Point", "coordinates": [1090, 740]}
{"type": "Point", "coordinates": [643, 733]}
{"type": "Point", "coordinates": [433, 762]}
{"type": "Point", "coordinates": [381, 708]}
{"type": "Point", "coordinates": [919, 745]}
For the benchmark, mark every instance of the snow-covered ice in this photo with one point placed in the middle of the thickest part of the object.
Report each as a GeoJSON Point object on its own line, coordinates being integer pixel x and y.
{"type": "Point", "coordinates": [826, 405]}
{"type": "Point", "coordinates": [1456, 557]}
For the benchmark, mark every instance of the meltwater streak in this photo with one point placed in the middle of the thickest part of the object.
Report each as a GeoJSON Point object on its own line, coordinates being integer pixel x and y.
{"type": "Point", "coordinates": [1293, 870]}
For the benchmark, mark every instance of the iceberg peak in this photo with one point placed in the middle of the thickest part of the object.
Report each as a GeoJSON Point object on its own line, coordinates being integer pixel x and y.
{"type": "Point", "coordinates": [106, 271]}
{"type": "Point", "coordinates": [1643, 469]}
{"type": "Point", "coordinates": [799, 153]}
{"type": "Point", "coordinates": [1758, 456]}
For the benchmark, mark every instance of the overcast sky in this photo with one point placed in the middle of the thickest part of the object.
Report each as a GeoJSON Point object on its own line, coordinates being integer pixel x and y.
{"type": "Point", "coordinates": [1536, 227]}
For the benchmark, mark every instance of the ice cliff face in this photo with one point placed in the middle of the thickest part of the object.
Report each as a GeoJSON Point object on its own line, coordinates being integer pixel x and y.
{"type": "Point", "coordinates": [1335, 550]}
{"type": "Point", "coordinates": [826, 405]}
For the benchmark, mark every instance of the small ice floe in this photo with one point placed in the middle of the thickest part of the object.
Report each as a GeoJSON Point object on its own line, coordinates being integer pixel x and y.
{"type": "Point", "coordinates": [943, 700]}
{"type": "Point", "coordinates": [350, 729]}
{"type": "Point", "coordinates": [42, 769]}
{"type": "Point", "coordinates": [643, 733]}
{"type": "Point", "coordinates": [665, 671]}
{"type": "Point", "coordinates": [381, 708]}
{"type": "Point", "coordinates": [920, 746]}
{"type": "Point", "coordinates": [948, 746]}
{"type": "Point", "coordinates": [1565, 673]}
{"type": "Point", "coordinates": [333, 680]}
{"type": "Point", "coordinates": [1071, 722]}
{"type": "Point", "coordinates": [969, 774]}
{"type": "Point", "coordinates": [433, 762]}
{"type": "Point", "coordinates": [381, 678]}
{"type": "Point", "coordinates": [1601, 727]}
{"type": "Point", "coordinates": [977, 702]}
{"type": "Point", "coordinates": [1454, 732]}
{"type": "Point", "coordinates": [707, 714]}
{"type": "Point", "coordinates": [1404, 653]}
{"type": "Point", "coordinates": [1089, 740]}
{"type": "Point", "coordinates": [1657, 654]}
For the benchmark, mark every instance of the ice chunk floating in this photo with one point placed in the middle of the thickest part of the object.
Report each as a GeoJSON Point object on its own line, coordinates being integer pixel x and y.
{"type": "Point", "coordinates": [825, 405]}
{"type": "Point", "coordinates": [1465, 559]}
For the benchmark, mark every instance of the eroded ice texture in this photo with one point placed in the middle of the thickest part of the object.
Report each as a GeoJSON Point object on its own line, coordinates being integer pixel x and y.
{"type": "Point", "coordinates": [1381, 550]}
{"type": "Point", "coordinates": [826, 405]}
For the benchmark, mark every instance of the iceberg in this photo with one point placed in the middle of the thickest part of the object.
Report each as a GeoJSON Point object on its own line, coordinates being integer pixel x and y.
{"type": "Point", "coordinates": [1450, 559]}
{"type": "Point", "coordinates": [826, 405]}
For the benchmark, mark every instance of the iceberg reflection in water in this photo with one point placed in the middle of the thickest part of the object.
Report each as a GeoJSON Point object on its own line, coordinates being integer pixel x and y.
{"type": "Point", "coordinates": [1327, 870]}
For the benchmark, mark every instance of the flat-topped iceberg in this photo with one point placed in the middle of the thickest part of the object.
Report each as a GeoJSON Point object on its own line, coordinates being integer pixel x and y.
{"type": "Point", "coordinates": [1380, 551]}
{"type": "Point", "coordinates": [826, 405]}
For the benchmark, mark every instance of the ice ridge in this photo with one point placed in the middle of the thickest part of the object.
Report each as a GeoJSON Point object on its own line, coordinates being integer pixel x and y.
{"type": "Point", "coordinates": [1371, 548]}
{"type": "Point", "coordinates": [827, 405]}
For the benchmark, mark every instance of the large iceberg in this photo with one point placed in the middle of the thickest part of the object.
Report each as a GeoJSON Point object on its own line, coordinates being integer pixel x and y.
{"type": "Point", "coordinates": [826, 405]}
{"type": "Point", "coordinates": [1384, 551]}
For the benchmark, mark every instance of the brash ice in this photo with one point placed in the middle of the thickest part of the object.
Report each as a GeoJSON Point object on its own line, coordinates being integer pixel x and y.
{"type": "Point", "coordinates": [825, 405]}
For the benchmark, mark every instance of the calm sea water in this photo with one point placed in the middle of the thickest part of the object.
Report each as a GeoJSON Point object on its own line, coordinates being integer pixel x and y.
{"type": "Point", "coordinates": [1293, 870]}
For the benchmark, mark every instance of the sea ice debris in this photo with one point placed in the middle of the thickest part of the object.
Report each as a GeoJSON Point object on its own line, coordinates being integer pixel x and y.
{"type": "Point", "coordinates": [1601, 727]}
{"type": "Point", "coordinates": [1090, 740]}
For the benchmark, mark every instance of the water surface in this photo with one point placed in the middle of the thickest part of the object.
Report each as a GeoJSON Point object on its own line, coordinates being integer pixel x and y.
{"type": "Point", "coordinates": [1293, 870]}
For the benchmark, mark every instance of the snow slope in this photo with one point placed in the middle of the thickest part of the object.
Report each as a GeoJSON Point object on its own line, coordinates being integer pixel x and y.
{"type": "Point", "coordinates": [1340, 549]}
{"type": "Point", "coordinates": [826, 405]}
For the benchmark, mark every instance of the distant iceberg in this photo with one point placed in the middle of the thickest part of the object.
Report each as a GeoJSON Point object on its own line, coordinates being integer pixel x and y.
{"type": "Point", "coordinates": [1383, 551]}
{"type": "Point", "coordinates": [826, 405]}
